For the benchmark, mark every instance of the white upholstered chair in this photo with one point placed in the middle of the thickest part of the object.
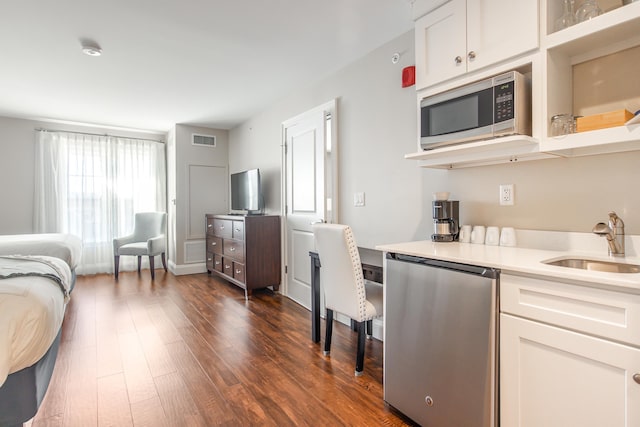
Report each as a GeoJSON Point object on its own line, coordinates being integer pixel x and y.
{"type": "Point", "coordinates": [342, 281]}
{"type": "Point", "coordinates": [148, 239]}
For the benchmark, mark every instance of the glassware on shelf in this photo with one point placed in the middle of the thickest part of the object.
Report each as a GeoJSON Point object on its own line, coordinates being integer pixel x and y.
{"type": "Point", "coordinates": [568, 17]}
{"type": "Point", "coordinates": [563, 124]}
{"type": "Point", "coordinates": [588, 10]}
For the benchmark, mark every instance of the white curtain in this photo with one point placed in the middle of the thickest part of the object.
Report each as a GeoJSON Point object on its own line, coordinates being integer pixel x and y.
{"type": "Point", "coordinates": [91, 186]}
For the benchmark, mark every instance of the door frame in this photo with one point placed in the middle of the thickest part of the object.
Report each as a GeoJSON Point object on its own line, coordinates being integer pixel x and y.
{"type": "Point", "coordinates": [331, 178]}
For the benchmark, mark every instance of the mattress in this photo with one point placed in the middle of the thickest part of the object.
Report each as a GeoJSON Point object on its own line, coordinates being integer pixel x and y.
{"type": "Point", "coordinates": [67, 247]}
{"type": "Point", "coordinates": [34, 291]}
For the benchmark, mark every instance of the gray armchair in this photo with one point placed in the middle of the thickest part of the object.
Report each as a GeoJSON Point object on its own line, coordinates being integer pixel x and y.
{"type": "Point", "coordinates": [148, 239]}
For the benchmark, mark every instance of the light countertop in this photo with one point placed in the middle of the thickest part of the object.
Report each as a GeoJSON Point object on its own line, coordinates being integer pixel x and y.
{"type": "Point", "coordinates": [527, 260]}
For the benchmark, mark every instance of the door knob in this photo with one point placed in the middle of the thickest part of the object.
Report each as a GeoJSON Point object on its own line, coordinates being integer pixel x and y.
{"type": "Point", "coordinates": [471, 55]}
{"type": "Point", "coordinates": [458, 59]}
{"type": "Point", "coordinates": [636, 378]}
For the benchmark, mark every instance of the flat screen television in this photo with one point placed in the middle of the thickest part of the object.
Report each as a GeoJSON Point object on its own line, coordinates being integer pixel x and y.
{"type": "Point", "coordinates": [246, 191]}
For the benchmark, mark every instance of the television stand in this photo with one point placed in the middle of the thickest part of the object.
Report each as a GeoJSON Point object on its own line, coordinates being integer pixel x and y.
{"type": "Point", "coordinates": [245, 250]}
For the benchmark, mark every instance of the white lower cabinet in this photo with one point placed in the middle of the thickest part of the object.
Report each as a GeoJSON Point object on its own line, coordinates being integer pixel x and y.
{"type": "Point", "coordinates": [569, 355]}
{"type": "Point", "coordinates": [554, 377]}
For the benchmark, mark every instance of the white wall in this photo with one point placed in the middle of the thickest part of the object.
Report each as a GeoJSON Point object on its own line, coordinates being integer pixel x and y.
{"type": "Point", "coordinates": [377, 127]}
{"type": "Point", "coordinates": [196, 197]}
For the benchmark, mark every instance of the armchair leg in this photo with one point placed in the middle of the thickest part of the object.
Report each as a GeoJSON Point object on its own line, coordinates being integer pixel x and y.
{"type": "Point", "coordinates": [369, 329]}
{"type": "Point", "coordinates": [164, 261]}
{"type": "Point", "coordinates": [360, 354]}
{"type": "Point", "coordinates": [139, 263]}
{"type": "Point", "coordinates": [152, 267]}
{"type": "Point", "coordinates": [328, 332]}
{"type": "Point", "coordinates": [116, 264]}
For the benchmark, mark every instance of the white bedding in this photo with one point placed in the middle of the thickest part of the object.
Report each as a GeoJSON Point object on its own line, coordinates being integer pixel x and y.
{"type": "Point", "coordinates": [31, 309]}
{"type": "Point", "coordinates": [64, 246]}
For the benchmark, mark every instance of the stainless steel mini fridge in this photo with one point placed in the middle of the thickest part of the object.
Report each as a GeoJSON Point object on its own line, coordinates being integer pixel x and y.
{"type": "Point", "coordinates": [440, 349]}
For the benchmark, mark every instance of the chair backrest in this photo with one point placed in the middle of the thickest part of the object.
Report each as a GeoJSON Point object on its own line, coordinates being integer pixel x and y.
{"type": "Point", "coordinates": [341, 275]}
{"type": "Point", "coordinates": [149, 224]}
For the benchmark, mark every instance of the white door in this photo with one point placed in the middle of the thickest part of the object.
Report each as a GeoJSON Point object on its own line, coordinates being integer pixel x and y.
{"type": "Point", "coordinates": [554, 377]}
{"type": "Point", "coordinates": [309, 185]}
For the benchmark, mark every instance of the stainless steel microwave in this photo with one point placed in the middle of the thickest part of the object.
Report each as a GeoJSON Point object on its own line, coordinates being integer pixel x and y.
{"type": "Point", "coordinates": [494, 107]}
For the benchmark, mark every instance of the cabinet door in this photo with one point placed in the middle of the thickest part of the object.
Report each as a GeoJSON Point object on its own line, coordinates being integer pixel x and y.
{"type": "Point", "coordinates": [553, 377]}
{"type": "Point", "coordinates": [500, 29]}
{"type": "Point", "coordinates": [441, 44]}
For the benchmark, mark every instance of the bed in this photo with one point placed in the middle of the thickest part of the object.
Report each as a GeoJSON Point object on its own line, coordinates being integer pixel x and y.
{"type": "Point", "coordinates": [67, 247]}
{"type": "Point", "coordinates": [34, 291]}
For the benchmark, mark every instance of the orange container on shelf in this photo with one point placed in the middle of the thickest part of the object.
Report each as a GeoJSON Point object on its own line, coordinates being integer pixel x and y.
{"type": "Point", "coordinates": [604, 120]}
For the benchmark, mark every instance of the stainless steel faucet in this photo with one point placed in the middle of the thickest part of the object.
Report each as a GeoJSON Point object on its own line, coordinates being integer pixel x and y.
{"type": "Point", "coordinates": [614, 232]}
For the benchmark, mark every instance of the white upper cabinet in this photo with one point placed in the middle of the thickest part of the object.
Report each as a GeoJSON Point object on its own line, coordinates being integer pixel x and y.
{"type": "Point", "coordinates": [462, 36]}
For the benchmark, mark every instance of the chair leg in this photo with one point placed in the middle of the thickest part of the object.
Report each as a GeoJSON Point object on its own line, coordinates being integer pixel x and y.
{"type": "Point", "coordinates": [164, 261]}
{"type": "Point", "coordinates": [116, 264]}
{"type": "Point", "coordinates": [139, 263]}
{"type": "Point", "coordinates": [360, 354]}
{"type": "Point", "coordinates": [152, 267]}
{"type": "Point", "coordinates": [328, 332]}
{"type": "Point", "coordinates": [369, 329]}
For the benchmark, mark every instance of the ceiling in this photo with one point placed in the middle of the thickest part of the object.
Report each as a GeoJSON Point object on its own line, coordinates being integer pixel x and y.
{"type": "Point", "coordinates": [212, 63]}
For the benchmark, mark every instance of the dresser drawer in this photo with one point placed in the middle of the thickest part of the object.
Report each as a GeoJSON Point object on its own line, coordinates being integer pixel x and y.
{"type": "Point", "coordinates": [238, 230]}
{"type": "Point", "coordinates": [234, 249]}
{"type": "Point", "coordinates": [209, 261]}
{"type": "Point", "coordinates": [604, 313]}
{"type": "Point", "coordinates": [214, 244]}
{"type": "Point", "coordinates": [223, 228]}
{"type": "Point", "coordinates": [238, 272]}
{"type": "Point", "coordinates": [209, 225]}
{"type": "Point", "coordinates": [227, 267]}
{"type": "Point", "coordinates": [217, 262]}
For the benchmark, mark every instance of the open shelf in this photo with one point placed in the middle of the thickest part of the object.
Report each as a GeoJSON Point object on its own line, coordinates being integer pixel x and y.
{"type": "Point", "coordinates": [493, 151]}
{"type": "Point", "coordinates": [611, 31]}
{"type": "Point", "coordinates": [601, 141]}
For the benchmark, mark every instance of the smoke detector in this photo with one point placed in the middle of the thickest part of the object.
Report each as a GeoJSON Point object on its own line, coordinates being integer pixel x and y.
{"type": "Point", "coordinates": [91, 49]}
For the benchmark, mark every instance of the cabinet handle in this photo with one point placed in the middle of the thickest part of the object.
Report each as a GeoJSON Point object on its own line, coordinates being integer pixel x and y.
{"type": "Point", "coordinates": [213, 243]}
{"type": "Point", "coordinates": [238, 271]}
{"type": "Point", "coordinates": [237, 230]}
{"type": "Point", "coordinates": [209, 259]}
{"type": "Point", "coordinates": [209, 225]}
{"type": "Point", "coordinates": [636, 378]}
{"type": "Point", "coordinates": [471, 55]}
{"type": "Point", "coordinates": [428, 400]}
{"type": "Point", "coordinates": [217, 262]}
{"type": "Point", "coordinates": [232, 249]}
{"type": "Point", "coordinates": [458, 59]}
{"type": "Point", "coordinates": [222, 227]}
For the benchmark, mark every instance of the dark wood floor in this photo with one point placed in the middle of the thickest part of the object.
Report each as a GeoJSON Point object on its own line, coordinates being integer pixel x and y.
{"type": "Point", "coordinates": [190, 351]}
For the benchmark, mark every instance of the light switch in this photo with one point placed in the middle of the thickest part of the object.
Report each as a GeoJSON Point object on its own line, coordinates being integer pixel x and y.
{"type": "Point", "coordinates": [358, 199]}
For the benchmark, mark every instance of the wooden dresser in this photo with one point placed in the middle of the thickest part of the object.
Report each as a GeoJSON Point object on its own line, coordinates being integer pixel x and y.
{"type": "Point", "coordinates": [245, 250]}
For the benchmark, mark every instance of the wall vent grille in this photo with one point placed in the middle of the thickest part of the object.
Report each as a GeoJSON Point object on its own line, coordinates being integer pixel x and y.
{"type": "Point", "coordinates": [204, 140]}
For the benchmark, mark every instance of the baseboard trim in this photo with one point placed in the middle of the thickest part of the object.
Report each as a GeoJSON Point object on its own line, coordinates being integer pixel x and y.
{"type": "Point", "coordinates": [184, 269]}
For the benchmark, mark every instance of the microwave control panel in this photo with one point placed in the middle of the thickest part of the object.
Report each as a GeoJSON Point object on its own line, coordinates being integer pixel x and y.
{"type": "Point", "coordinates": [503, 95]}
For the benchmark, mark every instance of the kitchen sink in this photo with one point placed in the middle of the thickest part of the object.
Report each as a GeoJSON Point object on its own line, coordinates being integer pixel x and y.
{"type": "Point", "coordinates": [594, 265]}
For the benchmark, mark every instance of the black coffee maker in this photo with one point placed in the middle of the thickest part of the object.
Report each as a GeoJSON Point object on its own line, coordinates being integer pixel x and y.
{"type": "Point", "coordinates": [445, 221]}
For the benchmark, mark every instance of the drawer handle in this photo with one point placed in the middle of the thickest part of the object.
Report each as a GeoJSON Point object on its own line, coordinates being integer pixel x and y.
{"type": "Point", "coordinates": [209, 225]}
{"type": "Point", "coordinates": [458, 59]}
{"type": "Point", "coordinates": [217, 262]}
{"type": "Point", "coordinates": [471, 55]}
{"type": "Point", "coordinates": [209, 259]}
{"type": "Point", "coordinates": [231, 249]}
{"type": "Point", "coordinates": [213, 243]}
{"type": "Point", "coordinates": [636, 378]}
{"type": "Point", "coordinates": [238, 230]}
{"type": "Point", "coordinates": [222, 227]}
{"type": "Point", "coordinates": [238, 271]}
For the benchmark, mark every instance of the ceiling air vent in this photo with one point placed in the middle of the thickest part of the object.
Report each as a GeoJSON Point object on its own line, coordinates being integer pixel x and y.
{"type": "Point", "coordinates": [204, 140]}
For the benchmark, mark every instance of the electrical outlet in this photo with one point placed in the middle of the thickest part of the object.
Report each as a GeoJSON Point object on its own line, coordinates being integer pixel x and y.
{"type": "Point", "coordinates": [507, 197]}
